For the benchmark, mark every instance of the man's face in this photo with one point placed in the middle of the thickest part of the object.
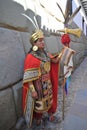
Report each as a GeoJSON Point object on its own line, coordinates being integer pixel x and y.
{"type": "Point", "coordinates": [40, 43]}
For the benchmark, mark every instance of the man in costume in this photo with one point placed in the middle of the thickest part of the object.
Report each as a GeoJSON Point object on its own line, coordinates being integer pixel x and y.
{"type": "Point", "coordinates": [40, 82]}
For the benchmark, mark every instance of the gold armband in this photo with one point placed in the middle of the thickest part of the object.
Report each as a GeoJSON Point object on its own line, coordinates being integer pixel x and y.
{"type": "Point", "coordinates": [32, 88]}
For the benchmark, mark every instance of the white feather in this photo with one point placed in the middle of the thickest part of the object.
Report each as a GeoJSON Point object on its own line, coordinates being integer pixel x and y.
{"type": "Point", "coordinates": [30, 20]}
{"type": "Point", "coordinates": [36, 22]}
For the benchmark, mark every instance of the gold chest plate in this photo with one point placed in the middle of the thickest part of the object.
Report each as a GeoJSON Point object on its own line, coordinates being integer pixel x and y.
{"type": "Point", "coordinates": [47, 66]}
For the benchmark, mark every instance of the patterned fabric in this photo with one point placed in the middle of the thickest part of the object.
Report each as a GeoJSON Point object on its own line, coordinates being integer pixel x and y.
{"type": "Point", "coordinates": [67, 52]}
{"type": "Point", "coordinates": [31, 74]}
{"type": "Point", "coordinates": [67, 59]}
{"type": "Point", "coordinates": [68, 68]}
{"type": "Point", "coordinates": [45, 82]}
{"type": "Point", "coordinates": [35, 71]}
{"type": "Point", "coordinates": [43, 87]}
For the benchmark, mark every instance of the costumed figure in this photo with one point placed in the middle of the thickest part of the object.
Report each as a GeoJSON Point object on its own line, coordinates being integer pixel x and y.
{"type": "Point", "coordinates": [40, 81]}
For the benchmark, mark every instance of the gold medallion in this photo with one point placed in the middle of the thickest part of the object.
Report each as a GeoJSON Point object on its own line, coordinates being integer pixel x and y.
{"type": "Point", "coordinates": [35, 48]}
{"type": "Point", "coordinates": [47, 66]}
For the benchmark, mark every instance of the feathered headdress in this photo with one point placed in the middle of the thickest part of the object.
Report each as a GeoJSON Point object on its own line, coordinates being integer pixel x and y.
{"type": "Point", "coordinates": [37, 32]}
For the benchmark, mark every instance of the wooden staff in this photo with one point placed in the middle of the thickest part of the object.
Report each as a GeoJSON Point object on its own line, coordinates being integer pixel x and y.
{"type": "Point", "coordinates": [63, 105]}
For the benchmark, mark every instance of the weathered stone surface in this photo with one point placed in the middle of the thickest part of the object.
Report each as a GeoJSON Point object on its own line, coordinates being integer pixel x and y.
{"type": "Point", "coordinates": [11, 13]}
{"type": "Point", "coordinates": [17, 93]}
{"type": "Point", "coordinates": [7, 110]}
{"type": "Point", "coordinates": [77, 116]}
{"type": "Point", "coordinates": [53, 44]}
{"type": "Point", "coordinates": [11, 57]}
{"type": "Point", "coordinates": [26, 41]}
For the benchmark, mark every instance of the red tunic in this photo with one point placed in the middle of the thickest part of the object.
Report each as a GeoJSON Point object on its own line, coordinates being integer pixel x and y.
{"type": "Point", "coordinates": [33, 62]}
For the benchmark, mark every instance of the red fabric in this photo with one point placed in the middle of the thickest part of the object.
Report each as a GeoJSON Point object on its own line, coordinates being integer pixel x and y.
{"type": "Point", "coordinates": [54, 80]}
{"type": "Point", "coordinates": [65, 39]}
{"type": "Point", "coordinates": [37, 115]}
{"type": "Point", "coordinates": [25, 91]}
{"type": "Point", "coordinates": [29, 63]}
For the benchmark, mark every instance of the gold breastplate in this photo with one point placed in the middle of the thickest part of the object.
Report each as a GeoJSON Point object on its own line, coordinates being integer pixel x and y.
{"type": "Point", "coordinates": [47, 66]}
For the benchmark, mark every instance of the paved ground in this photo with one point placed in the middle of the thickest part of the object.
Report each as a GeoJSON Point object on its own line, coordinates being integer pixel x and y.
{"type": "Point", "coordinates": [75, 108]}
{"type": "Point", "coordinates": [76, 119]}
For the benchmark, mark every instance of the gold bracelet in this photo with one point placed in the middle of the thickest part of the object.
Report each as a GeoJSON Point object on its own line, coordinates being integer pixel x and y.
{"type": "Point", "coordinates": [32, 88]}
{"type": "Point", "coordinates": [60, 55]}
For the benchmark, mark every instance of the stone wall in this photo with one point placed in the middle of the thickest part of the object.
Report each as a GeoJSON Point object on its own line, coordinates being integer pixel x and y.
{"type": "Point", "coordinates": [13, 47]}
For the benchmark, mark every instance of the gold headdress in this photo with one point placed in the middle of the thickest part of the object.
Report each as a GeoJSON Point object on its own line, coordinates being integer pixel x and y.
{"type": "Point", "coordinates": [37, 33]}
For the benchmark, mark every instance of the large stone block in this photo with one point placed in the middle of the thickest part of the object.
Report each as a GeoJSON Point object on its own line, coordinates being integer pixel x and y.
{"type": "Point", "coordinates": [26, 41]}
{"type": "Point", "coordinates": [7, 110]}
{"type": "Point", "coordinates": [11, 57]}
{"type": "Point", "coordinates": [12, 13]}
{"type": "Point", "coordinates": [53, 44]}
{"type": "Point", "coordinates": [17, 93]}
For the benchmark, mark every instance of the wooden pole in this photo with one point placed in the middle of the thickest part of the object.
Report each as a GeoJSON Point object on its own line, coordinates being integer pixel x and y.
{"type": "Point", "coordinates": [63, 105]}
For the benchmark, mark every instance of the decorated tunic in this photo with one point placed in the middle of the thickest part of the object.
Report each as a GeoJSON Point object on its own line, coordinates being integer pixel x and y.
{"type": "Point", "coordinates": [37, 69]}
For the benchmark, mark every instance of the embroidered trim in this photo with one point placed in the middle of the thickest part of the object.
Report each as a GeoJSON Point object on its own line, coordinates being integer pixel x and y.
{"type": "Point", "coordinates": [31, 74]}
{"type": "Point", "coordinates": [67, 52]}
{"type": "Point", "coordinates": [43, 56]}
{"type": "Point", "coordinates": [44, 105]}
{"type": "Point", "coordinates": [45, 77]}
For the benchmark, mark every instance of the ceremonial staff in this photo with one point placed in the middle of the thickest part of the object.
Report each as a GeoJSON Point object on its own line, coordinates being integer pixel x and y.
{"type": "Point", "coordinates": [77, 32]}
{"type": "Point", "coordinates": [63, 107]}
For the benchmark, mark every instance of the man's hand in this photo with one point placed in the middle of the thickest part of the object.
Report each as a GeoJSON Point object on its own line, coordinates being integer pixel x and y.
{"type": "Point", "coordinates": [34, 95]}
{"type": "Point", "coordinates": [33, 91]}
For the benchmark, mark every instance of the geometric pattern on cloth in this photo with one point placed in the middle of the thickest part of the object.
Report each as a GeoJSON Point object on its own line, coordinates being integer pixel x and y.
{"type": "Point", "coordinates": [67, 52]}
{"type": "Point", "coordinates": [31, 74]}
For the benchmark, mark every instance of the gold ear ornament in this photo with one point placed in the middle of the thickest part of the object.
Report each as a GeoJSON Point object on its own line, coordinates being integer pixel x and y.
{"type": "Point", "coordinates": [35, 48]}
